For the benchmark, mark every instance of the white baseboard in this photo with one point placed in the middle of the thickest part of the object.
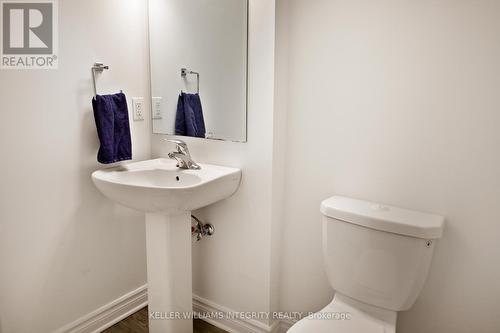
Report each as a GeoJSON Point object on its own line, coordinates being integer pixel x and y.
{"type": "Point", "coordinates": [231, 325]}
{"type": "Point", "coordinates": [285, 325]}
{"type": "Point", "coordinates": [109, 314]}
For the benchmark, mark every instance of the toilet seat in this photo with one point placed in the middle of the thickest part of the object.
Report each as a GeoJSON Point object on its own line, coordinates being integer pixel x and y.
{"type": "Point", "coordinates": [362, 318]}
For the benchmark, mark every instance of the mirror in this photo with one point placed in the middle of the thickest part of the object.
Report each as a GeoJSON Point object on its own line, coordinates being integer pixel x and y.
{"type": "Point", "coordinates": [199, 44]}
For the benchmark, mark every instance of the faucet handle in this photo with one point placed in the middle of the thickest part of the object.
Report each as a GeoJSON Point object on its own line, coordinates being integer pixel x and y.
{"type": "Point", "coordinates": [177, 142]}
{"type": "Point", "coordinates": [180, 145]}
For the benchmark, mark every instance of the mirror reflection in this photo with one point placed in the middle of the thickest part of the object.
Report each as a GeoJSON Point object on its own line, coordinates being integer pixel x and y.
{"type": "Point", "coordinates": [198, 54]}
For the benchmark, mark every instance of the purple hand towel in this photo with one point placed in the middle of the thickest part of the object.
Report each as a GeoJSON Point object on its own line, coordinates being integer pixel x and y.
{"type": "Point", "coordinates": [189, 120]}
{"type": "Point", "coordinates": [113, 128]}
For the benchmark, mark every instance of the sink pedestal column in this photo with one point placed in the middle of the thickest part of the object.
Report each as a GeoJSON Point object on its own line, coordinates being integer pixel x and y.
{"type": "Point", "coordinates": [168, 240]}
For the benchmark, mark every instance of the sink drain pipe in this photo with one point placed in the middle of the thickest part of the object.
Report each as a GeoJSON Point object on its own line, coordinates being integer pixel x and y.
{"type": "Point", "coordinates": [200, 229]}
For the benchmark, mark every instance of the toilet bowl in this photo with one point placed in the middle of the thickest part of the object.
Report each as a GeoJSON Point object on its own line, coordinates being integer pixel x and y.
{"type": "Point", "coordinates": [345, 315]}
{"type": "Point", "coordinates": [377, 259]}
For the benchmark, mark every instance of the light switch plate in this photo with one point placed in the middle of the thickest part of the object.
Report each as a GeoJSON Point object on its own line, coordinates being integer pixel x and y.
{"type": "Point", "coordinates": [157, 104]}
{"type": "Point", "coordinates": [138, 103]}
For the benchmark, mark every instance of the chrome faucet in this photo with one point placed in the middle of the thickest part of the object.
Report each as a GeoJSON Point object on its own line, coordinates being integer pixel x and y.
{"type": "Point", "coordinates": [182, 156]}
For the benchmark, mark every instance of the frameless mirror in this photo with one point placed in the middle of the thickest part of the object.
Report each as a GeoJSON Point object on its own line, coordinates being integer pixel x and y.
{"type": "Point", "coordinates": [198, 52]}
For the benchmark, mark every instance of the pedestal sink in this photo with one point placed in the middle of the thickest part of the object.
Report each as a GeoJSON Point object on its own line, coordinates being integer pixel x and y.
{"type": "Point", "coordinates": [167, 195]}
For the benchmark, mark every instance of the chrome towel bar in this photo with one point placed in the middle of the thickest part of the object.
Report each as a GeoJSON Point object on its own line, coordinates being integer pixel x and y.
{"type": "Point", "coordinates": [98, 67]}
{"type": "Point", "coordinates": [185, 72]}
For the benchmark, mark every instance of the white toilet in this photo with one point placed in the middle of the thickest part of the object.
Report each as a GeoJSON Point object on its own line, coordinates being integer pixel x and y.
{"type": "Point", "coordinates": [377, 258]}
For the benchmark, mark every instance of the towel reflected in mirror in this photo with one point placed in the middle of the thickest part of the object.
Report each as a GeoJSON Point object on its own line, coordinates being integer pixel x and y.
{"type": "Point", "coordinates": [189, 119]}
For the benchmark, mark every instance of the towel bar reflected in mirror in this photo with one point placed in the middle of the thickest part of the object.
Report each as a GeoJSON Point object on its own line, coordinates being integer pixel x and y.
{"type": "Point", "coordinates": [185, 72]}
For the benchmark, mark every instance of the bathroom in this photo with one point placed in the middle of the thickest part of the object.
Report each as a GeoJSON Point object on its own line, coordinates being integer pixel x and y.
{"type": "Point", "coordinates": [390, 102]}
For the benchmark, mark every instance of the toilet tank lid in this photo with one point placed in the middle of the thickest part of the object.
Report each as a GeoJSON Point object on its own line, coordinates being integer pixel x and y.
{"type": "Point", "coordinates": [384, 217]}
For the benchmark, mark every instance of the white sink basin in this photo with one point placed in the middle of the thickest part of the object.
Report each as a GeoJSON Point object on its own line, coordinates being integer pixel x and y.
{"type": "Point", "coordinates": [158, 186]}
{"type": "Point", "coordinates": [167, 195]}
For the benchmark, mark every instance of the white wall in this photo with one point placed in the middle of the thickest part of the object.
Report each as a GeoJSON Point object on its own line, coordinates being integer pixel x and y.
{"type": "Point", "coordinates": [65, 250]}
{"type": "Point", "coordinates": [397, 102]}
{"type": "Point", "coordinates": [281, 59]}
{"type": "Point", "coordinates": [233, 268]}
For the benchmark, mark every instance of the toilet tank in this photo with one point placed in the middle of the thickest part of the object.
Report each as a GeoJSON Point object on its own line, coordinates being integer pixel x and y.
{"type": "Point", "coordinates": [378, 254]}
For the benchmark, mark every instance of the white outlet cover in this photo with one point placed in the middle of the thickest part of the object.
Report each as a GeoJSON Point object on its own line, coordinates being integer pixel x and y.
{"type": "Point", "coordinates": [157, 106]}
{"type": "Point", "coordinates": [138, 103]}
